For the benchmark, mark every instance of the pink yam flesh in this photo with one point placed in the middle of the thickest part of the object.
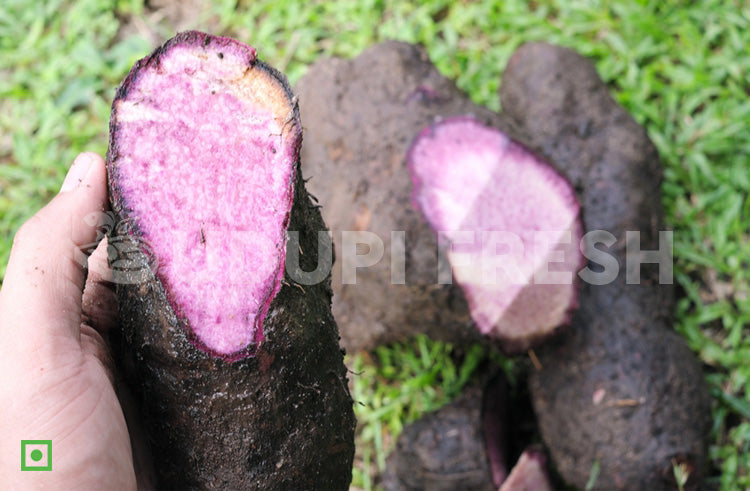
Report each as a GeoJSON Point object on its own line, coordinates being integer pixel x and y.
{"type": "Point", "coordinates": [205, 168]}
{"type": "Point", "coordinates": [529, 474]}
{"type": "Point", "coordinates": [510, 224]}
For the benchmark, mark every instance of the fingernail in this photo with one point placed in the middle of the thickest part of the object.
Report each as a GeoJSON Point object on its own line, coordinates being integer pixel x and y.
{"type": "Point", "coordinates": [77, 172]}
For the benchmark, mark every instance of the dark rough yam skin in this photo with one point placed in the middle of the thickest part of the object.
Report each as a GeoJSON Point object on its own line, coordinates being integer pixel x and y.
{"type": "Point", "coordinates": [282, 419]}
{"type": "Point", "coordinates": [621, 338]}
{"type": "Point", "coordinates": [443, 451]}
{"type": "Point", "coordinates": [366, 113]}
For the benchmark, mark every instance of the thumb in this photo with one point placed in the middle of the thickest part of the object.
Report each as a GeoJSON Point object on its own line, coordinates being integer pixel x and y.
{"type": "Point", "coordinates": [40, 300]}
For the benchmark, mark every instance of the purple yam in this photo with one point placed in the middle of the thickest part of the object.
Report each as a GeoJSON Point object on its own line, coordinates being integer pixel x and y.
{"type": "Point", "coordinates": [619, 390]}
{"type": "Point", "coordinates": [511, 224]}
{"type": "Point", "coordinates": [367, 112]}
{"type": "Point", "coordinates": [529, 473]}
{"type": "Point", "coordinates": [236, 366]}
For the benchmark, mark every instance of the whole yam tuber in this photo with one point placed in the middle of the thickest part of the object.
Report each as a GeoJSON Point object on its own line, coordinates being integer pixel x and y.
{"type": "Point", "coordinates": [236, 366]}
{"type": "Point", "coordinates": [445, 450]}
{"type": "Point", "coordinates": [620, 391]}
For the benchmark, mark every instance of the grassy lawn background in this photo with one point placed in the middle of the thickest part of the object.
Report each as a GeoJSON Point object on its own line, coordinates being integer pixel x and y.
{"type": "Point", "coordinates": [682, 70]}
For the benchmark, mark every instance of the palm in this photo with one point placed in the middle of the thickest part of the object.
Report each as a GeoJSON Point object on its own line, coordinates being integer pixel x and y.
{"type": "Point", "coordinates": [71, 401]}
{"type": "Point", "coordinates": [56, 378]}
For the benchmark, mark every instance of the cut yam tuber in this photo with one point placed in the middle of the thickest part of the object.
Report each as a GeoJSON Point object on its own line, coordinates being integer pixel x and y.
{"type": "Point", "coordinates": [367, 112]}
{"type": "Point", "coordinates": [511, 224]}
{"type": "Point", "coordinates": [620, 390]}
{"type": "Point", "coordinates": [237, 367]}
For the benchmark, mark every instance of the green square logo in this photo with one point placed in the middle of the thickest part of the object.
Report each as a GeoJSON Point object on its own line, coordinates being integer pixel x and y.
{"type": "Point", "coordinates": [36, 455]}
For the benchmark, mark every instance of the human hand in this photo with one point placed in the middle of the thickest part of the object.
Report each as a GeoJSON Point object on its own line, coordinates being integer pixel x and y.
{"type": "Point", "coordinates": [56, 375]}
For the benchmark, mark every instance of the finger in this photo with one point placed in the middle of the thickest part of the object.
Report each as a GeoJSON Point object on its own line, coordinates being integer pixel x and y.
{"type": "Point", "coordinates": [41, 296]}
{"type": "Point", "coordinates": [94, 345]}
{"type": "Point", "coordinates": [99, 305]}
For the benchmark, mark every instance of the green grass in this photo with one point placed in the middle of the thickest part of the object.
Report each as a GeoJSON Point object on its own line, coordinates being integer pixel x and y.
{"type": "Point", "coordinates": [681, 69]}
